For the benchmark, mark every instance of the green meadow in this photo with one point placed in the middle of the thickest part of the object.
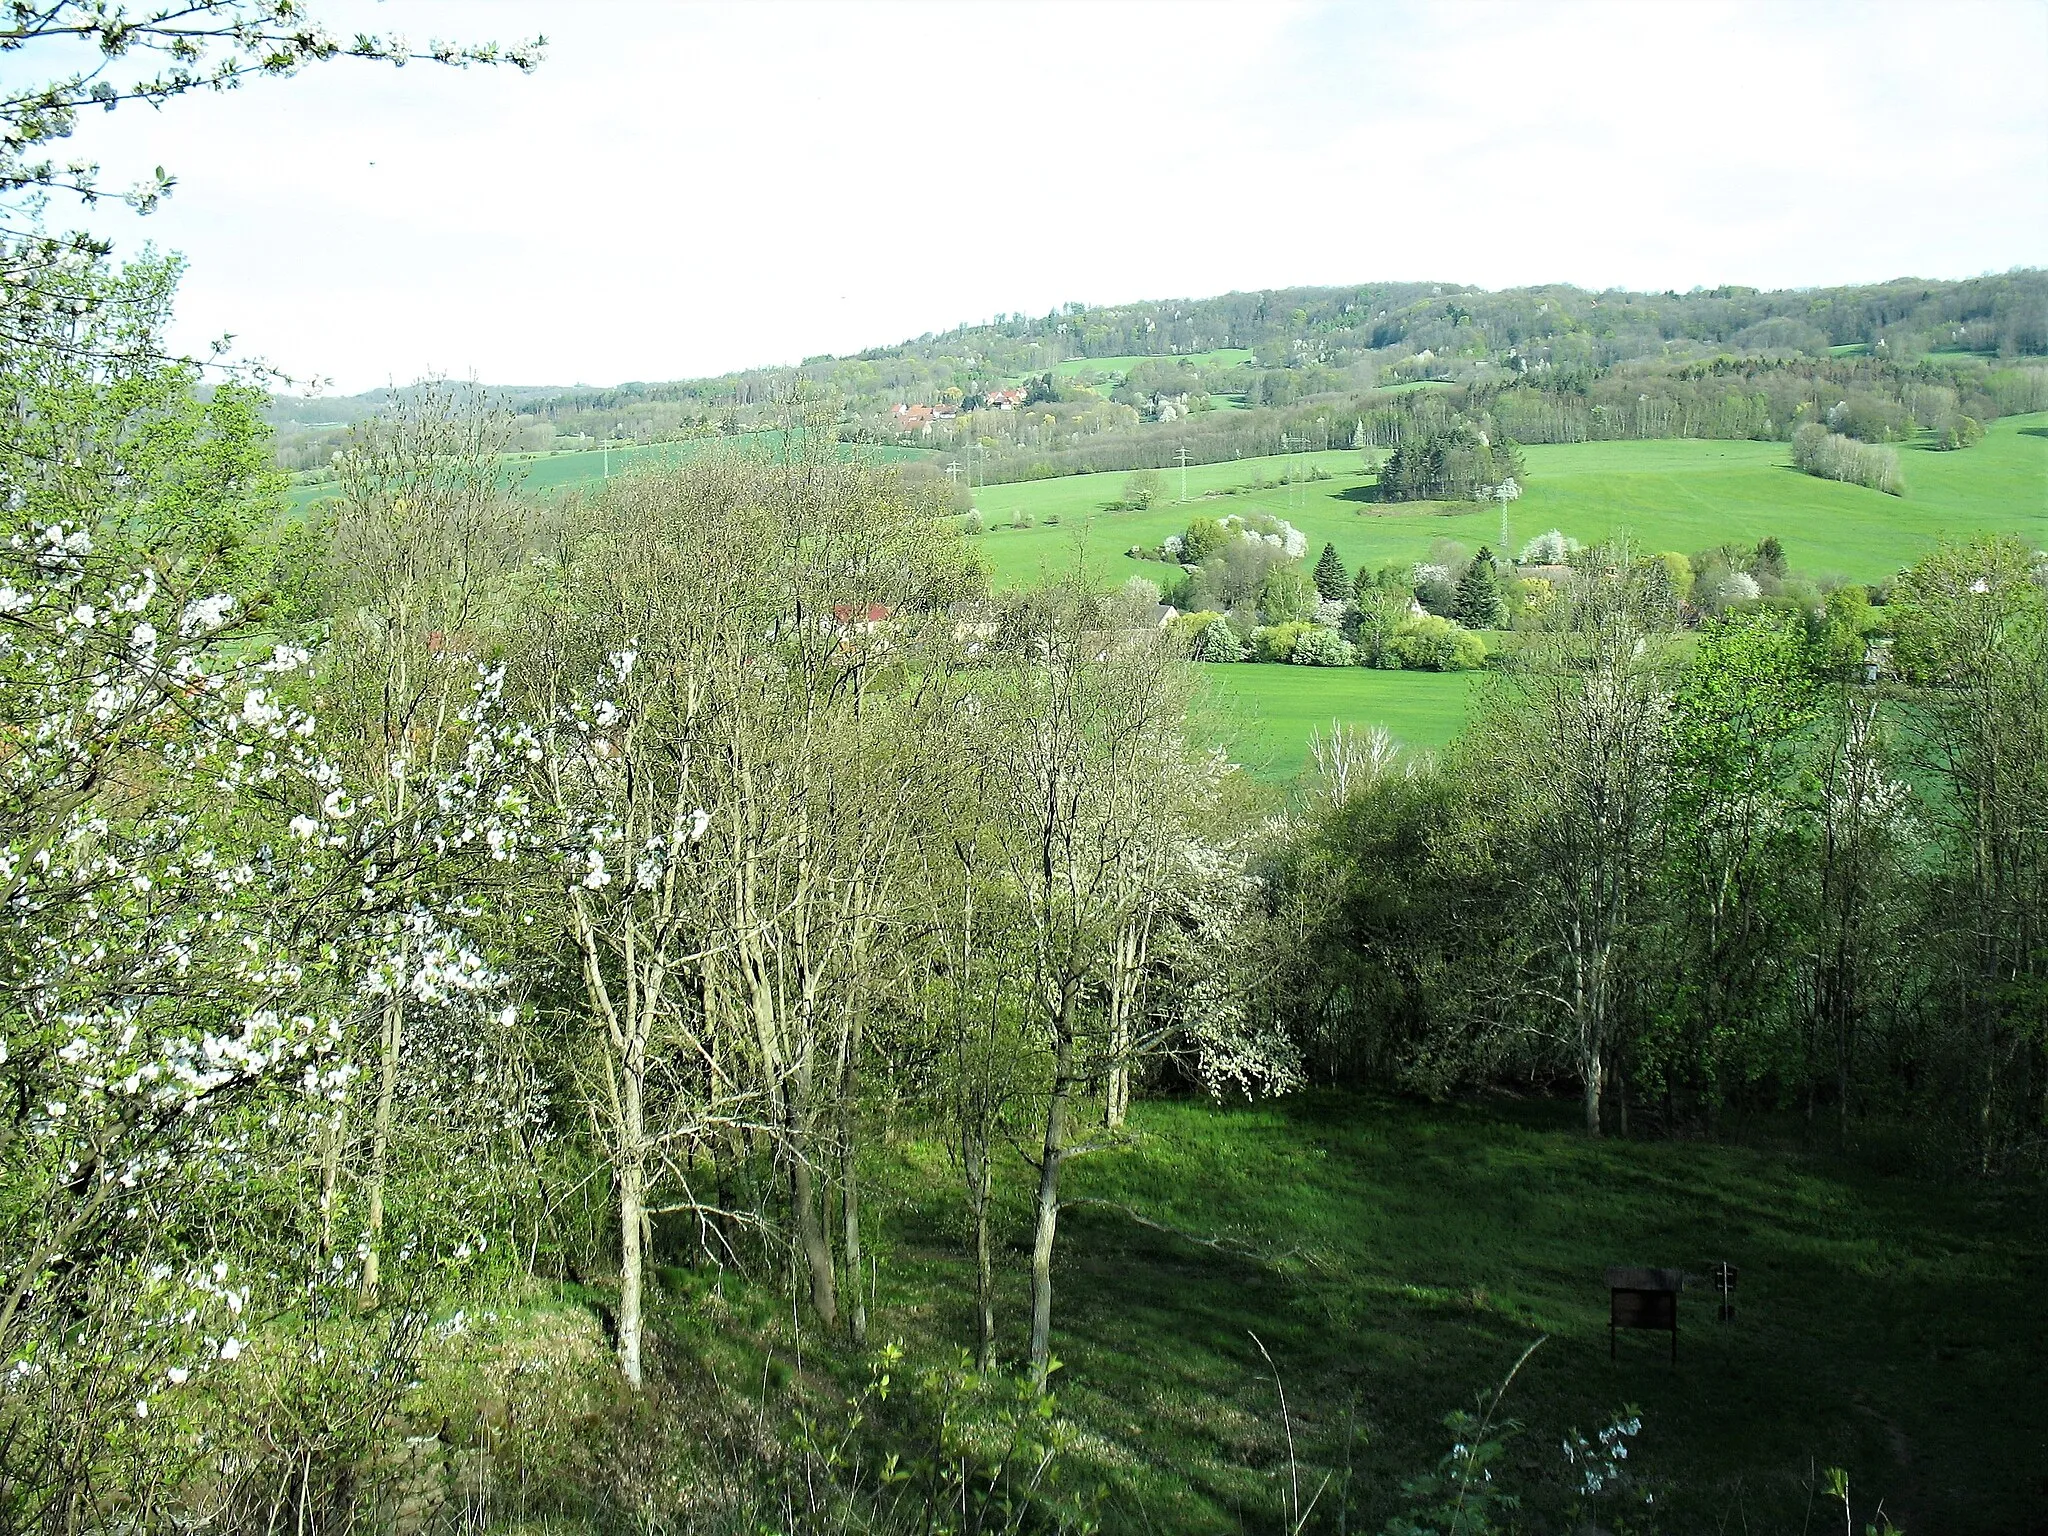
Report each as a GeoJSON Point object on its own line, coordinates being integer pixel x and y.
{"type": "Point", "coordinates": [1264, 714]}
{"type": "Point", "coordinates": [1678, 495]}
{"type": "Point", "coordinates": [1395, 1258]}
{"type": "Point", "coordinates": [1682, 495]}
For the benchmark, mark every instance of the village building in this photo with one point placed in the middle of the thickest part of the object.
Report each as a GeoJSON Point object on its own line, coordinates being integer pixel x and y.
{"type": "Point", "coordinates": [919, 418]}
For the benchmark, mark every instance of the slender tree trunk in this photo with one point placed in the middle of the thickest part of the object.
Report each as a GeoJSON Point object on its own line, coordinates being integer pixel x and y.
{"type": "Point", "coordinates": [810, 1231]}
{"type": "Point", "coordinates": [984, 1259]}
{"type": "Point", "coordinates": [1049, 1195]}
{"type": "Point", "coordinates": [380, 1141]}
{"type": "Point", "coordinates": [633, 1219]}
{"type": "Point", "coordinates": [632, 1271]}
{"type": "Point", "coordinates": [849, 1184]}
{"type": "Point", "coordinates": [1844, 1003]}
{"type": "Point", "coordinates": [1592, 1064]}
{"type": "Point", "coordinates": [1118, 1097]}
{"type": "Point", "coordinates": [1595, 1072]}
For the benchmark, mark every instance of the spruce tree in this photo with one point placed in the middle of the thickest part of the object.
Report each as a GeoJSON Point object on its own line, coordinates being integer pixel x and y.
{"type": "Point", "coordinates": [1478, 604]}
{"type": "Point", "coordinates": [1333, 584]}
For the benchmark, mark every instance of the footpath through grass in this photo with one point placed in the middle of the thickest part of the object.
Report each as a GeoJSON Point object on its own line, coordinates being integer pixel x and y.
{"type": "Point", "coordinates": [1395, 1259]}
{"type": "Point", "coordinates": [1681, 495]}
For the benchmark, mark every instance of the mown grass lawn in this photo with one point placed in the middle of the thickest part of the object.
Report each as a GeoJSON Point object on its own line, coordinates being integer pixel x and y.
{"type": "Point", "coordinates": [1395, 1258]}
{"type": "Point", "coordinates": [1682, 495]}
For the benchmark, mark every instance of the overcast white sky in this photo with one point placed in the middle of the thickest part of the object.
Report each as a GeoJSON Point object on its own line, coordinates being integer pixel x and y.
{"type": "Point", "coordinates": [683, 189]}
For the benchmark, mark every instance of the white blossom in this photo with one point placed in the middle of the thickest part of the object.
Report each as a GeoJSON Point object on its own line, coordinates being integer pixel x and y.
{"type": "Point", "coordinates": [205, 615]}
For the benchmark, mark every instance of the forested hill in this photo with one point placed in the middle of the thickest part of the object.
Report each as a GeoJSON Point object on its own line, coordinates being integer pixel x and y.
{"type": "Point", "coordinates": [1122, 366]}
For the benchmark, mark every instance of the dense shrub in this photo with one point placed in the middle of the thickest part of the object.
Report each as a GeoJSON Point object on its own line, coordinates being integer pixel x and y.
{"type": "Point", "coordinates": [1320, 647]}
{"type": "Point", "coordinates": [1872, 417]}
{"type": "Point", "coordinates": [1959, 432]}
{"type": "Point", "coordinates": [1141, 489]}
{"type": "Point", "coordinates": [1217, 641]}
{"type": "Point", "coordinates": [1433, 644]}
{"type": "Point", "coordinates": [1276, 642]}
{"type": "Point", "coordinates": [1550, 548]}
{"type": "Point", "coordinates": [1832, 456]}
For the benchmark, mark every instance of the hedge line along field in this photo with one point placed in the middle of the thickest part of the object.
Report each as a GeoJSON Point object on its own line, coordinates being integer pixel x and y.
{"type": "Point", "coordinates": [1395, 1257]}
{"type": "Point", "coordinates": [1684, 495]}
{"type": "Point", "coordinates": [1263, 714]}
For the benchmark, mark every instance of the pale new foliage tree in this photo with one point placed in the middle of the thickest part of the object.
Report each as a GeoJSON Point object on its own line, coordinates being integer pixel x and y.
{"type": "Point", "coordinates": [1092, 791]}
{"type": "Point", "coordinates": [1351, 759]}
{"type": "Point", "coordinates": [1973, 645]}
{"type": "Point", "coordinates": [730, 798]}
{"type": "Point", "coordinates": [420, 548]}
{"type": "Point", "coordinates": [1579, 743]}
{"type": "Point", "coordinates": [624, 721]}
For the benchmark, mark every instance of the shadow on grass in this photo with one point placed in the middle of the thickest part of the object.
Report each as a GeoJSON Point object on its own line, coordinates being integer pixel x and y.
{"type": "Point", "coordinates": [1395, 1257]}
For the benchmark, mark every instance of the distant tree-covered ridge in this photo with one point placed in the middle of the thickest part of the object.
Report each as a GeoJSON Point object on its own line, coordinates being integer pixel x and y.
{"type": "Point", "coordinates": [1128, 386]}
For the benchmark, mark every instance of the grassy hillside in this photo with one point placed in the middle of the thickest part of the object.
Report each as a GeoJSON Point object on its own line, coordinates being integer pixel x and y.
{"type": "Point", "coordinates": [1218, 357]}
{"type": "Point", "coordinates": [1264, 714]}
{"type": "Point", "coordinates": [1682, 495]}
{"type": "Point", "coordinates": [1396, 1258]}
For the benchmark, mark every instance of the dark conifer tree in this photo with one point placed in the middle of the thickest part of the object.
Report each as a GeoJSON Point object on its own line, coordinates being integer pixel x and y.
{"type": "Point", "coordinates": [1478, 604]}
{"type": "Point", "coordinates": [1332, 581]}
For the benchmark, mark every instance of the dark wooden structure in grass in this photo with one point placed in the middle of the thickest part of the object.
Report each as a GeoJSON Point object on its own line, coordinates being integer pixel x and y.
{"type": "Point", "coordinates": [1643, 1298]}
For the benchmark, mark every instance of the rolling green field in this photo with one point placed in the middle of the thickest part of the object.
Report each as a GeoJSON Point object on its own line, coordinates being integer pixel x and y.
{"type": "Point", "coordinates": [1395, 1258]}
{"type": "Point", "coordinates": [1264, 714]}
{"type": "Point", "coordinates": [1682, 495]}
